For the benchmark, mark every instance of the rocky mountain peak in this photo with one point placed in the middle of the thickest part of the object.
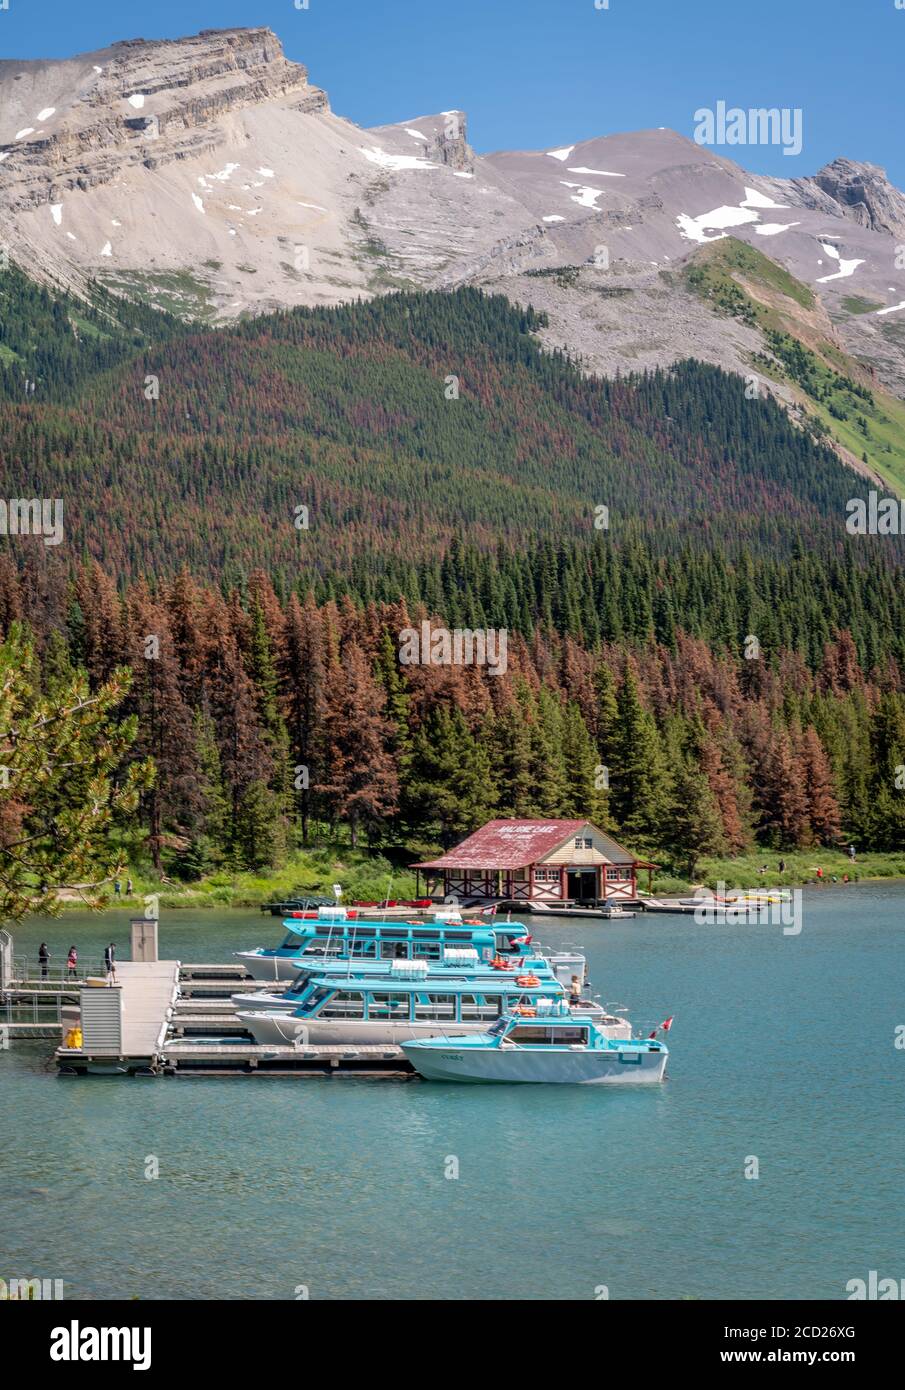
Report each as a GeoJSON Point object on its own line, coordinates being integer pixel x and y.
{"type": "Point", "coordinates": [439, 139]}
{"type": "Point", "coordinates": [82, 122]}
{"type": "Point", "coordinates": [863, 193]}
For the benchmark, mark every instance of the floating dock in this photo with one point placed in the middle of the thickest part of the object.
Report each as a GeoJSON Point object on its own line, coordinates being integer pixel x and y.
{"type": "Point", "coordinates": [244, 1059]}
{"type": "Point", "coordinates": [153, 1023]}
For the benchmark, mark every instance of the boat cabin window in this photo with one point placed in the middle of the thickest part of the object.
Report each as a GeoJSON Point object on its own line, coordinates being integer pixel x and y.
{"type": "Point", "coordinates": [344, 1004]}
{"type": "Point", "coordinates": [333, 945]}
{"type": "Point", "coordinates": [475, 1006]}
{"type": "Point", "coordinates": [528, 1033]}
{"type": "Point", "coordinates": [442, 1006]}
{"type": "Point", "coordinates": [395, 1006]}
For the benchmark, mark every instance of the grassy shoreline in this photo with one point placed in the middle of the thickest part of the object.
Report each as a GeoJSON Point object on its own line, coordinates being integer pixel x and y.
{"type": "Point", "coordinates": [372, 878]}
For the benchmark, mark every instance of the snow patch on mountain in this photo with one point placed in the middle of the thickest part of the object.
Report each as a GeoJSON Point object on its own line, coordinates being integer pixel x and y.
{"type": "Point", "coordinates": [395, 161]}
{"type": "Point", "coordinates": [585, 197]}
{"type": "Point", "coordinates": [603, 173]}
{"type": "Point", "coordinates": [774, 228]}
{"type": "Point", "coordinates": [846, 268]}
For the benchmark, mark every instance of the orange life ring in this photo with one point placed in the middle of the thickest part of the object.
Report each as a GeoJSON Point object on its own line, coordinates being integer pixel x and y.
{"type": "Point", "coordinates": [499, 964]}
{"type": "Point", "coordinates": [525, 1011]}
{"type": "Point", "coordinates": [527, 981]}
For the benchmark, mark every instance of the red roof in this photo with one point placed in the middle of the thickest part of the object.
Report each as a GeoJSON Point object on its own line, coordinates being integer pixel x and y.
{"type": "Point", "coordinates": [513, 844]}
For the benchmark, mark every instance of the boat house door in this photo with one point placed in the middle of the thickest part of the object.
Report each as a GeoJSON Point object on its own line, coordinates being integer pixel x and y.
{"type": "Point", "coordinates": [581, 885]}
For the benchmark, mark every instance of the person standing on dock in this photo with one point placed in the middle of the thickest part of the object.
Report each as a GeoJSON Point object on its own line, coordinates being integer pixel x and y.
{"type": "Point", "coordinates": [128, 887]}
{"type": "Point", "coordinates": [110, 963]}
{"type": "Point", "coordinates": [43, 957]}
{"type": "Point", "coordinates": [72, 961]}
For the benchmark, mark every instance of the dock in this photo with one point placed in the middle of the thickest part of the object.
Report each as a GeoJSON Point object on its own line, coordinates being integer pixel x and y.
{"type": "Point", "coordinates": [244, 1059]}
{"type": "Point", "coordinates": [169, 1019]}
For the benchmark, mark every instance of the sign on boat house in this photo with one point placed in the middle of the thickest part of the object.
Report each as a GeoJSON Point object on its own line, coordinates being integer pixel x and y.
{"type": "Point", "coordinates": [536, 861]}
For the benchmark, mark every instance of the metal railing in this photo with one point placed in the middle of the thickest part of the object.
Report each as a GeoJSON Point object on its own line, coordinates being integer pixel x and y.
{"type": "Point", "coordinates": [27, 968]}
{"type": "Point", "coordinates": [46, 1012]}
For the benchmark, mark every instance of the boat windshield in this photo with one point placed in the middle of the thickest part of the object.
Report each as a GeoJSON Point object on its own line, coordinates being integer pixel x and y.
{"type": "Point", "coordinates": [317, 997]}
{"type": "Point", "coordinates": [498, 1027]}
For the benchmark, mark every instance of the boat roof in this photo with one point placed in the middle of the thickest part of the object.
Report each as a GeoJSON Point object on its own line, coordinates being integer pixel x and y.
{"type": "Point", "coordinates": [439, 972]}
{"type": "Point", "coordinates": [430, 931]}
{"type": "Point", "coordinates": [502, 982]}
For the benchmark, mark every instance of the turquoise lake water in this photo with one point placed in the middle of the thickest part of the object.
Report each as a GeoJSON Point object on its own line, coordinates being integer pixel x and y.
{"type": "Point", "coordinates": [783, 1048]}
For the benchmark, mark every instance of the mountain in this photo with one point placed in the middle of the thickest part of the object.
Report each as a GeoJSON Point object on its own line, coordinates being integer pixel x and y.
{"type": "Point", "coordinates": [520, 441]}
{"type": "Point", "coordinates": [209, 176]}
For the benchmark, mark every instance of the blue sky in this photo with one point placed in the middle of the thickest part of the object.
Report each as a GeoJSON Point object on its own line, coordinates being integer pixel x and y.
{"type": "Point", "coordinates": [541, 73]}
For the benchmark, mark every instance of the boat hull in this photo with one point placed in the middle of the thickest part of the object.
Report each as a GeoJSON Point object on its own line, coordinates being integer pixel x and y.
{"type": "Point", "coordinates": [271, 1003]}
{"type": "Point", "coordinates": [526, 1066]}
{"type": "Point", "coordinates": [276, 1029]}
{"type": "Point", "coordinates": [269, 967]}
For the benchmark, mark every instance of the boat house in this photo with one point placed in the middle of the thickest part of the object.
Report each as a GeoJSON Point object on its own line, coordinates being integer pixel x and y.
{"type": "Point", "coordinates": [536, 861]}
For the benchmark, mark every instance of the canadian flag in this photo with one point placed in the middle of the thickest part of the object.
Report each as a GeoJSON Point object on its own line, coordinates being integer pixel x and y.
{"type": "Point", "coordinates": [664, 1027]}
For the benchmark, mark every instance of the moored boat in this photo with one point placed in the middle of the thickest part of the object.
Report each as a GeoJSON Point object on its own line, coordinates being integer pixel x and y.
{"type": "Point", "coordinates": [364, 1009]}
{"type": "Point", "coordinates": [338, 935]}
{"type": "Point", "coordinates": [558, 1048]}
{"type": "Point", "coordinates": [566, 967]}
